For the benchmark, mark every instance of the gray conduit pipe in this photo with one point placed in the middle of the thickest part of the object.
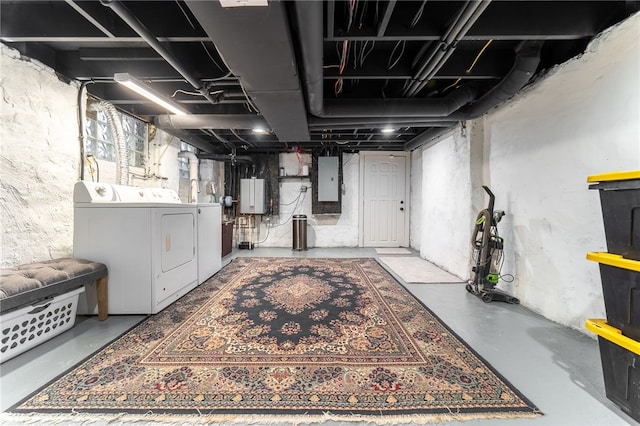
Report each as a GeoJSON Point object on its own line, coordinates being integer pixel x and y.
{"type": "Point", "coordinates": [448, 44]}
{"type": "Point", "coordinates": [438, 49]}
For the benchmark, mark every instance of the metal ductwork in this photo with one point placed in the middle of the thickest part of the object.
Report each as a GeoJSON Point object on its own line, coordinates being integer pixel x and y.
{"type": "Point", "coordinates": [256, 45]}
{"type": "Point", "coordinates": [426, 137]}
{"type": "Point", "coordinates": [371, 122]}
{"type": "Point", "coordinates": [201, 144]}
{"type": "Point", "coordinates": [524, 67]}
{"type": "Point", "coordinates": [210, 121]}
{"type": "Point", "coordinates": [428, 107]}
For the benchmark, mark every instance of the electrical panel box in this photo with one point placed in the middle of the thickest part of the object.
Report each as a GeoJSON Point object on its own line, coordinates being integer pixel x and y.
{"type": "Point", "coordinates": [252, 196]}
{"type": "Point", "coordinates": [328, 180]}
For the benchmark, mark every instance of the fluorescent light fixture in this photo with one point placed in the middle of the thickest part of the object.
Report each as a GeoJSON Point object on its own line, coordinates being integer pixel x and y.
{"type": "Point", "coordinates": [240, 3]}
{"type": "Point", "coordinates": [387, 130]}
{"type": "Point", "coordinates": [142, 89]}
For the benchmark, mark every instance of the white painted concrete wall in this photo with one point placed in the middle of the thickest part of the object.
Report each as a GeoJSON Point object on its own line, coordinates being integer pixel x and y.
{"type": "Point", "coordinates": [39, 160]}
{"type": "Point", "coordinates": [535, 153]}
{"type": "Point", "coordinates": [415, 214]}
{"type": "Point", "coordinates": [322, 230]}
{"type": "Point", "coordinates": [582, 119]}
{"type": "Point", "coordinates": [446, 203]}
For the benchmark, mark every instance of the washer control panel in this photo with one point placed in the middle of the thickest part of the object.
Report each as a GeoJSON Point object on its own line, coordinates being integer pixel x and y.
{"type": "Point", "coordinates": [97, 192]}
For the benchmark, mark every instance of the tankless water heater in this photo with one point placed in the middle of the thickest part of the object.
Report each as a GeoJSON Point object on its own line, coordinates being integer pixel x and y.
{"type": "Point", "coordinates": [252, 196]}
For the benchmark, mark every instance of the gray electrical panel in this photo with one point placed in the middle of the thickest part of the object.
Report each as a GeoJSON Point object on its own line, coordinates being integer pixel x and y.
{"type": "Point", "coordinates": [328, 181]}
{"type": "Point", "coordinates": [252, 196]}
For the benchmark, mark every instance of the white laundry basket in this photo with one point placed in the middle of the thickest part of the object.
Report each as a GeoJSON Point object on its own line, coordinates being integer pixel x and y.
{"type": "Point", "coordinates": [31, 325]}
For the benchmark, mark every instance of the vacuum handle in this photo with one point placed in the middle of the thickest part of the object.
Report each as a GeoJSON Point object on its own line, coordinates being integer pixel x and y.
{"type": "Point", "coordinates": [492, 198]}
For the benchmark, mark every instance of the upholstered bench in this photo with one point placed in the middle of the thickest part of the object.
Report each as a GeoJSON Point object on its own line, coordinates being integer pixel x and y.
{"type": "Point", "coordinates": [39, 300]}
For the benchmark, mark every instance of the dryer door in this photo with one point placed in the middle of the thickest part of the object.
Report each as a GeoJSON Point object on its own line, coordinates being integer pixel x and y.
{"type": "Point", "coordinates": [178, 240]}
{"type": "Point", "coordinates": [175, 265]}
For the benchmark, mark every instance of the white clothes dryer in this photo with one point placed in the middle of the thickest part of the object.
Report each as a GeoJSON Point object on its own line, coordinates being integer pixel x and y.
{"type": "Point", "coordinates": [145, 236]}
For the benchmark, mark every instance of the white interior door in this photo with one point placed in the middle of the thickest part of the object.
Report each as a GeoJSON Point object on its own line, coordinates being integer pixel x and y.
{"type": "Point", "coordinates": [385, 200]}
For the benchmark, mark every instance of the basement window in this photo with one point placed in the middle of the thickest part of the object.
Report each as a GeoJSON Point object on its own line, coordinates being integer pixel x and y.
{"type": "Point", "coordinates": [100, 142]}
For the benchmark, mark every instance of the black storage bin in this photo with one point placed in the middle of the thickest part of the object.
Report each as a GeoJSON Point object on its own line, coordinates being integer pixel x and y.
{"type": "Point", "coordinates": [620, 358]}
{"type": "Point", "coordinates": [621, 290]}
{"type": "Point", "coordinates": [620, 201]}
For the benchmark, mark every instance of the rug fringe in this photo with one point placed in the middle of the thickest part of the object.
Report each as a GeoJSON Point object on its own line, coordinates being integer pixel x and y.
{"type": "Point", "coordinates": [9, 419]}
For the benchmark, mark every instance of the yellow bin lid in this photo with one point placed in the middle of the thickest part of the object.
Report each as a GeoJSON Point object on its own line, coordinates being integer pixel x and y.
{"type": "Point", "coordinates": [607, 177]}
{"type": "Point", "coordinates": [614, 260]}
{"type": "Point", "coordinates": [612, 334]}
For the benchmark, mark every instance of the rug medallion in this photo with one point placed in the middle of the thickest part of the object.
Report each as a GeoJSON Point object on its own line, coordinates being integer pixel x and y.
{"type": "Point", "coordinates": [288, 336]}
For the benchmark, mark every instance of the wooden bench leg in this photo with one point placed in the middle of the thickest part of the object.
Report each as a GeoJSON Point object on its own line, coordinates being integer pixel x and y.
{"type": "Point", "coordinates": [103, 298]}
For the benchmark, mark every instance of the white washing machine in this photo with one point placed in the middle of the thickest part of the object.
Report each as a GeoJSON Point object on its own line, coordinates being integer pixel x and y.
{"type": "Point", "coordinates": [146, 237]}
{"type": "Point", "coordinates": [209, 240]}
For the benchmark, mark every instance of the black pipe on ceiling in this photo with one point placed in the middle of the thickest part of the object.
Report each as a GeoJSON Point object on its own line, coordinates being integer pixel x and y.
{"type": "Point", "coordinates": [311, 39]}
{"type": "Point", "coordinates": [424, 107]}
{"type": "Point", "coordinates": [358, 126]}
{"type": "Point", "coordinates": [370, 122]}
{"type": "Point", "coordinates": [153, 42]}
{"type": "Point", "coordinates": [524, 67]}
{"type": "Point", "coordinates": [426, 137]}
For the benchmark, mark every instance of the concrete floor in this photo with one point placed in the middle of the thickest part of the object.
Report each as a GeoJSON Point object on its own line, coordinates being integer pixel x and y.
{"type": "Point", "coordinates": [557, 368]}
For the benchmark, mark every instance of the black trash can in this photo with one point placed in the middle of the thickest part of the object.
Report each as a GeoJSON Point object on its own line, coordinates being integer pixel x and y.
{"type": "Point", "coordinates": [299, 232]}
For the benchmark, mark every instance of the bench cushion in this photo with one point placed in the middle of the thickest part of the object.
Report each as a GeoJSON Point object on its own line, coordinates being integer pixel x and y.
{"type": "Point", "coordinates": [26, 284]}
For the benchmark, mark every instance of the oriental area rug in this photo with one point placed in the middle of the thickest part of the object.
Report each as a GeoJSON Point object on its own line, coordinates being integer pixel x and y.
{"type": "Point", "coordinates": [283, 340]}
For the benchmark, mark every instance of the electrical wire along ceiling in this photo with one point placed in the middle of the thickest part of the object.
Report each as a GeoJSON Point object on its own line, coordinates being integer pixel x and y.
{"type": "Point", "coordinates": [270, 76]}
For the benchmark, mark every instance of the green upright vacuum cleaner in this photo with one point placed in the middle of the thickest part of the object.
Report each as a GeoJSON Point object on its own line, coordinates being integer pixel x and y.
{"type": "Point", "coordinates": [487, 255]}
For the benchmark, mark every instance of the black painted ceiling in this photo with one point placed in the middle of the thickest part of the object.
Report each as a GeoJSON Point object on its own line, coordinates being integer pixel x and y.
{"type": "Point", "coordinates": [329, 74]}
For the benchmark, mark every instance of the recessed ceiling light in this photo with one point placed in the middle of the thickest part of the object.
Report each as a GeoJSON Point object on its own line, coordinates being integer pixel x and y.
{"type": "Point", "coordinates": [260, 130]}
{"type": "Point", "coordinates": [387, 130]}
